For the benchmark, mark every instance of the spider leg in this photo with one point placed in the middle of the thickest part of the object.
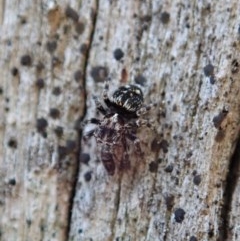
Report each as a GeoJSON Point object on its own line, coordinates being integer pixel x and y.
{"type": "Point", "coordinates": [145, 109]}
{"type": "Point", "coordinates": [94, 121]}
{"type": "Point", "coordinates": [145, 122]}
{"type": "Point", "coordinates": [106, 88]}
{"type": "Point", "coordinates": [99, 105]}
{"type": "Point", "coordinates": [89, 134]}
{"type": "Point", "coordinates": [136, 142]}
{"type": "Point", "coordinates": [105, 92]}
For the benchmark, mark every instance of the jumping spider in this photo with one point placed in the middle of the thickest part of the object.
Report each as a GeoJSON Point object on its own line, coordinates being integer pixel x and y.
{"type": "Point", "coordinates": [119, 125]}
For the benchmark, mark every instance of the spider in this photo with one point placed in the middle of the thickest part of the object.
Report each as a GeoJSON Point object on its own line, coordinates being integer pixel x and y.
{"type": "Point", "coordinates": [119, 125]}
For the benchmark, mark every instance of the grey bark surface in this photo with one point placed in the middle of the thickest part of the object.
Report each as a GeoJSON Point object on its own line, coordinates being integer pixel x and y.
{"type": "Point", "coordinates": [55, 55]}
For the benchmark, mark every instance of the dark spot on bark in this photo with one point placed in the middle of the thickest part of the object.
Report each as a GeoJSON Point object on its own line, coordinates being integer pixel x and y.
{"type": "Point", "coordinates": [71, 146]}
{"type": "Point", "coordinates": [54, 113]}
{"type": "Point", "coordinates": [189, 154]}
{"type": "Point", "coordinates": [235, 66]}
{"type": "Point", "coordinates": [14, 71]}
{"type": "Point", "coordinates": [165, 17]}
{"type": "Point", "coordinates": [118, 54]}
{"type": "Point", "coordinates": [155, 145]}
{"type": "Point", "coordinates": [218, 119]}
{"type": "Point", "coordinates": [174, 108]}
{"type": "Point", "coordinates": [153, 166]}
{"type": "Point", "coordinates": [40, 66]}
{"type": "Point", "coordinates": [179, 215]}
{"type": "Point", "coordinates": [137, 59]}
{"type": "Point", "coordinates": [169, 201]}
{"type": "Point", "coordinates": [146, 18]}
{"type": "Point", "coordinates": [42, 228]}
{"type": "Point", "coordinates": [159, 160]}
{"type": "Point", "coordinates": [88, 176]}
{"type": "Point", "coordinates": [78, 75]}
{"type": "Point", "coordinates": [72, 14]}
{"type": "Point", "coordinates": [169, 168]}
{"type": "Point", "coordinates": [194, 173]}
{"type": "Point", "coordinates": [51, 46]}
{"type": "Point", "coordinates": [12, 143]}
{"type": "Point", "coordinates": [164, 146]}
{"type": "Point", "coordinates": [26, 60]}
{"type": "Point", "coordinates": [84, 48]}
{"type": "Point", "coordinates": [208, 7]}
{"type": "Point", "coordinates": [193, 238]}
{"type": "Point", "coordinates": [58, 131]}
{"type": "Point", "coordinates": [62, 152]}
{"type": "Point", "coordinates": [140, 79]}
{"type": "Point", "coordinates": [56, 61]}
{"type": "Point", "coordinates": [41, 124]}
{"type": "Point", "coordinates": [79, 27]}
{"type": "Point", "coordinates": [66, 29]}
{"type": "Point", "coordinates": [40, 83]}
{"type": "Point", "coordinates": [29, 222]}
{"type": "Point", "coordinates": [197, 179]}
{"type": "Point", "coordinates": [99, 73]}
{"type": "Point", "coordinates": [212, 80]}
{"type": "Point", "coordinates": [84, 158]}
{"type": "Point", "coordinates": [1, 91]}
{"type": "Point", "coordinates": [12, 181]}
{"type": "Point", "coordinates": [145, 26]}
{"type": "Point", "coordinates": [80, 230]}
{"type": "Point", "coordinates": [210, 232]}
{"type": "Point", "coordinates": [208, 70]}
{"type": "Point", "coordinates": [23, 20]}
{"type": "Point", "coordinates": [57, 91]}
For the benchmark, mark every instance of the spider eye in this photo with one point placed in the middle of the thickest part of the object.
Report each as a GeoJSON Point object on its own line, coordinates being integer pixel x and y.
{"type": "Point", "coordinates": [129, 97]}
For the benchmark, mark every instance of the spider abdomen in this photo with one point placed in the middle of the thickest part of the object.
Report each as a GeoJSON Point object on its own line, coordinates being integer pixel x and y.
{"type": "Point", "coordinates": [108, 159]}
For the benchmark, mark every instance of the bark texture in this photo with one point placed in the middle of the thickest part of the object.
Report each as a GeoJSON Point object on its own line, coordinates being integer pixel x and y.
{"type": "Point", "coordinates": [55, 55]}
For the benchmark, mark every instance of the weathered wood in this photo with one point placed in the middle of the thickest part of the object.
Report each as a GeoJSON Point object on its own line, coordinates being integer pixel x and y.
{"type": "Point", "coordinates": [185, 56]}
{"type": "Point", "coordinates": [42, 99]}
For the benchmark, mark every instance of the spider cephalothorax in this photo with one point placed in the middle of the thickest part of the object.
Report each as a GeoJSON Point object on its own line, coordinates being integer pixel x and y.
{"type": "Point", "coordinates": [119, 126]}
{"type": "Point", "coordinates": [126, 99]}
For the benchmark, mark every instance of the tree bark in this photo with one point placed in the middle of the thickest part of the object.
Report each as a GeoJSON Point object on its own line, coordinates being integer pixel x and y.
{"type": "Point", "coordinates": [55, 56]}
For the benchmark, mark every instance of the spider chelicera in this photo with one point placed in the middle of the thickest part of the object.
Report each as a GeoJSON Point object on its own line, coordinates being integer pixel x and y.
{"type": "Point", "coordinates": [119, 126]}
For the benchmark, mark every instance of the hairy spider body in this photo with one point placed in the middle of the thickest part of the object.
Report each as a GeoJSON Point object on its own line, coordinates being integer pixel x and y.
{"type": "Point", "coordinates": [110, 136]}
{"type": "Point", "coordinates": [118, 126]}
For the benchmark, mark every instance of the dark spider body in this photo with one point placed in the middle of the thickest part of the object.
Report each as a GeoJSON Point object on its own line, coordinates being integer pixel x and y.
{"type": "Point", "coordinates": [111, 138]}
{"type": "Point", "coordinates": [118, 126]}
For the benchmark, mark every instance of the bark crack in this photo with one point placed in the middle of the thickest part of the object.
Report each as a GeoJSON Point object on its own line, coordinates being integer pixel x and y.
{"type": "Point", "coordinates": [231, 183]}
{"type": "Point", "coordinates": [117, 204]}
{"type": "Point", "coordinates": [94, 15]}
